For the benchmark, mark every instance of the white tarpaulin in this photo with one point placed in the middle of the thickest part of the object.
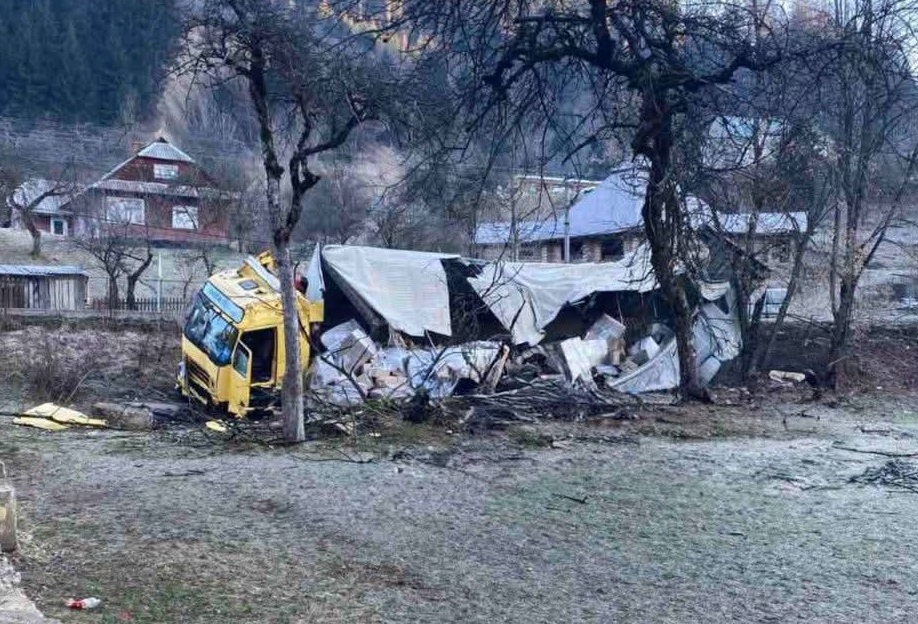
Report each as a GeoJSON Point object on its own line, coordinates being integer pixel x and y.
{"type": "Point", "coordinates": [406, 288]}
{"type": "Point", "coordinates": [526, 297]}
{"type": "Point", "coordinates": [409, 291]}
{"type": "Point", "coordinates": [661, 372]}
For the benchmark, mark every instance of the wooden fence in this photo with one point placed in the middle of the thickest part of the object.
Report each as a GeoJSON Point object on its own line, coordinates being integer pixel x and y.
{"type": "Point", "coordinates": [170, 306]}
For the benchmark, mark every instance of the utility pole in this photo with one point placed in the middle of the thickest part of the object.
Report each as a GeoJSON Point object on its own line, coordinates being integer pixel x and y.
{"type": "Point", "coordinates": [159, 282]}
{"type": "Point", "coordinates": [567, 220]}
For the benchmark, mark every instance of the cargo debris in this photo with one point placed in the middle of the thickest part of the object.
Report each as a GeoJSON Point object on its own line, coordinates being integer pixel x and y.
{"type": "Point", "coordinates": [452, 322]}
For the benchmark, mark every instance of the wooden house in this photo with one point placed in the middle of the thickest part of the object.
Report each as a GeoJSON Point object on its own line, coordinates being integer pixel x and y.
{"type": "Point", "coordinates": [160, 194]}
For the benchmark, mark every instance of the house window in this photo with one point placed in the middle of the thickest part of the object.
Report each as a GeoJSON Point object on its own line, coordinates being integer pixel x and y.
{"type": "Point", "coordinates": [527, 252]}
{"type": "Point", "coordinates": [58, 226]}
{"type": "Point", "coordinates": [124, 210]}
{"type": "Point", "coordinates": [185, 217]}
{"type": "Point", "coordinates": [612, 249]}
{"type": "Point", "coordinates": [780, 252]}
{"type": "Point", "coordinates": [165, 172]}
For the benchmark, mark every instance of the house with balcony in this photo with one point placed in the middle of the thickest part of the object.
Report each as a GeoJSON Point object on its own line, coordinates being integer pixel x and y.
{"type": "Point", "coordinates": [160, 193]}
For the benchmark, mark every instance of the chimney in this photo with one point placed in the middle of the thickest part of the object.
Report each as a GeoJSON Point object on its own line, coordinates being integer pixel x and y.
{"type": "Point", "coordinates": [136, 146]}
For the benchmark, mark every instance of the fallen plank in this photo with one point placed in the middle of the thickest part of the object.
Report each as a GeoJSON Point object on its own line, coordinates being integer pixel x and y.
{"type": "Point", "coordinates": [63, 415]}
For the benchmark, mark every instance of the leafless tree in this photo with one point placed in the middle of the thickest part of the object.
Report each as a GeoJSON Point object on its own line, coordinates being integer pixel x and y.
{"type": "Point", "coordinates": [120, 252]}
{"type": "Point", "coordinates": [631, 67]}
{"type": "Point", "coordinates": [337, 210]}
{"type": "Point", "coordinates": [869, 101]}
{"type": "Point", "coordinates": [26, 197]}
{"type": "Point", "coordinates": [766, 180]}
{"type": "Point", "coordinates": [307, 78]}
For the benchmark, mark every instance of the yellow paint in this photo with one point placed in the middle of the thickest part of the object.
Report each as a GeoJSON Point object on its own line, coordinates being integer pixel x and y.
{"type": "Point", "coordinates": [39, 423]}
{"type": "Point", "coordinates": [215, 425]}
{"type": "Point", "coordinates": [220, 384]}
{"type": "Point", "coordinates": [64, 415]}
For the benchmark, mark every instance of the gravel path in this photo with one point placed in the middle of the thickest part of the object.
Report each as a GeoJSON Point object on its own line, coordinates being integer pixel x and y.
{"type": "Point", "coordinates": [725, 530]}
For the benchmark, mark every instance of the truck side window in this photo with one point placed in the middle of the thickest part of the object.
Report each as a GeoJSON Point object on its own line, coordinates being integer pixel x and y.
{"type": "Point", "coordinates": [241, 361]}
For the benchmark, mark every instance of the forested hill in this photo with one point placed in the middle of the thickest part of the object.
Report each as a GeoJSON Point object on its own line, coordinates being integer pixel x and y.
{"type": "Point", "coordinates": [98, 61]}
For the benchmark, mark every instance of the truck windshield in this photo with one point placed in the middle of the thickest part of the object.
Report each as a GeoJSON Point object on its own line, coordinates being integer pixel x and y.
{"type": "Point", "coordinates": [210, 332]}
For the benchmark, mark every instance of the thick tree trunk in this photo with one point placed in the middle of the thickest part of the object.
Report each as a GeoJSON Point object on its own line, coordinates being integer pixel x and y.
{"type": "Point", "coordinates": [292, 385]}
{"type": "Point", "coordinates": [281, 227]}
{"type": "Point", "coordinates": [673, 288]}
{"type": "Point", "coordinates": [292, 390]}
{"type": "Point", "coordinates": [841, 330]}
{"type": "Point", "coordinates": [130, 297]}
{"type": "Point", "coordinates": [133, 278]}
{"type": "Point", "coordinates": [662, 224]}
{"type": "Point", "coordinates": [34, 232]}
{"type": "Point", "coordinates": [113, 292]}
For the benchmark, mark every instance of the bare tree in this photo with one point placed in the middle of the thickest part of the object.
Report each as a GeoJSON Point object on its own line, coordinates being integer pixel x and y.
{"type": "Point", "coordinates": [870, 100]}
{"type": "Point", "coordinates": [307, 78]}
{"type": "Point", "coordinates": [337, 212]}
{"type": "Point", "coordinates": [120, 252]}
{"type": "Point", "coordinates": [631, 66]}
{"type": "Point", "coordinates": [27, 196]}
{"type": "Point", "coordinates": [768, 186]}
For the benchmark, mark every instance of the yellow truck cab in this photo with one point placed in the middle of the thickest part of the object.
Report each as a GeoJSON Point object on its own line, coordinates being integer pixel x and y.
{"type": "Point", "coordinates": [233, 339]}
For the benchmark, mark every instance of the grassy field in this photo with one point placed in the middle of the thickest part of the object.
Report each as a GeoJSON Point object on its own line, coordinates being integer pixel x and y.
{"type": "Point", "coordinates": [738, 511]}
{"type": "Point", "coordinates": [760, 526]}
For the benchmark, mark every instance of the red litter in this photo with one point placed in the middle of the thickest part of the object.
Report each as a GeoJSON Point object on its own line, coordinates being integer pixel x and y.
{"type": "Point", "coordinates": [84, 603]}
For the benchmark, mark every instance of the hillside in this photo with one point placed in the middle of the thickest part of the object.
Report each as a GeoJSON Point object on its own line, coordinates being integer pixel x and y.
{"type": "Point", "coordinates": [106, 65]}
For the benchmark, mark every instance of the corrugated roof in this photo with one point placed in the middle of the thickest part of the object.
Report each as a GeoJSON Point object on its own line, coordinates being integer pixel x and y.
{"type": "Point", "coordinates": [162, 150]}
{"type": "Point", "coordinates": [38, 270]}
{"type": "Point", "coordinates": [613, 206]}
{"type": "Point", "coordinates": [740, 222]}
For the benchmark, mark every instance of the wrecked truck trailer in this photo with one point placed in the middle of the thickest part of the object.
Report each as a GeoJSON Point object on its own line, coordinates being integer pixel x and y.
{"type": "Point", "coordinates": [393, 323]}
{"type": "Point", "coordinates": [418, 302]}
{"type": "Point", "coordinates": [233, 339]}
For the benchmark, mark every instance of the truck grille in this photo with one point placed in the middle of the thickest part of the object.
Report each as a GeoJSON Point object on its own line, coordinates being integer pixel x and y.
{"type": "Point", "coordinates": [197, 375]}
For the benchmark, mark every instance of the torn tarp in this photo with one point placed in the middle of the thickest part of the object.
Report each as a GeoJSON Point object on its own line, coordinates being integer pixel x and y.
{"type": "Point", "coordinates": [525, 297]}
{"type": "Point", "coordinates": [411, 292]}
{"type": "Point", "coordinates": [406, 288]}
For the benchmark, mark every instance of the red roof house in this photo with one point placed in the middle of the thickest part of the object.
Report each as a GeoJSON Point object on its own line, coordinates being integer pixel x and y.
{"type": "Point", "coordinates": [160, 194]}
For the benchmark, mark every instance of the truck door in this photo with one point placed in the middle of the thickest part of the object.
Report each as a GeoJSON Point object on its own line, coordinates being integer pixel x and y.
{"type": "Point", "coordinates": [240, 380]}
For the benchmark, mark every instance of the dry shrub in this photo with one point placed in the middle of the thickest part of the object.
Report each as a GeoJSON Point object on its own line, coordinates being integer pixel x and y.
{"type": "Point", "coordinates": [9, 323]}
{"type": "Point", "coordinates": [83, 365]}
{"type": "Point", "coordinates": [48, 369]}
